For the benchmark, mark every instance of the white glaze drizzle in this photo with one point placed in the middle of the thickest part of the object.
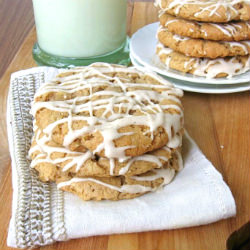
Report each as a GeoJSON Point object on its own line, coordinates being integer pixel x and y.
{"type": "Point", "coordinates": [124, 188]}
{"type": "Point", "coordinates": [158, 173]}
{"type": "Point", "coordinates": [187, 63]}
{"type": "Point", "coordinates": [111, 166]}
{"type": "Point", "coordinates": [164, 50]}
{"type": "Point", "coordinates": [180, 38]}
{"type": "Point", "coordinates": [244, 45]}
{"type": "Point", "coordinates": [227, 29]}
{"type": "Point", "coordinates": [167, 175]}
{"type": "Point", "coordinates": [94, 76]}
{"type": "Point", "coordinates": [210, 68]}
{"type": "Point", "coordinates": [146, 157]}
{"type": "Point", "coordinates": [171, 21]}
{"type": "Point", "coordinates": [45, 152]}
{"type": "Point", "coordinates": [78, 159]}
{"type": "Point", "coordinates": [210, 6]}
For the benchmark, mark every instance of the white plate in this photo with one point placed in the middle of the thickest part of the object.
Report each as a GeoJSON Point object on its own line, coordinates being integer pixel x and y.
{"type": "Point", "coordinates": [143, 46]}
{"type": "Point", "coordinates": [201, 88]}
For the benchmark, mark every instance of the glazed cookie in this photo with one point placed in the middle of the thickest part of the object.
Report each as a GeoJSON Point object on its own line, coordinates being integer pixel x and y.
{"type": "Point", "coordinates": [112, 110]}
{"type": "Point", "coordinates": [45, 153]}
{"type": "Point", "coordinates": [120, 187]}
{"type": "Point", "coordinates": [207, 10]}
{"type": "Point", "coordinates": [111, 188]}
{"type": "Point", "coordinates": [210, 68]}
{"type": "Point", "coordinates": [202, 48]}
{"type": "Point", "coordinates": [234, 31]}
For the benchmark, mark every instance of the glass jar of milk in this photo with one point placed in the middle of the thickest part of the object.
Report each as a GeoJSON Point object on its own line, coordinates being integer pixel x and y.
{"type": "Point", "coordinates": [80, 32]}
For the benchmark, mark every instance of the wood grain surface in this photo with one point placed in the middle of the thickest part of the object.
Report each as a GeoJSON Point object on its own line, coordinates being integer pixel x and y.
{"type": "Point", "coordinates": [218, 123]}
{"type": "Point", "coordinates": [16, 20]}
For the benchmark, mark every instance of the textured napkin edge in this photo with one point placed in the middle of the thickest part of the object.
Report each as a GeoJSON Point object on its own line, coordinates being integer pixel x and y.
{"type": "Point", "coordinates": [37, 208]}
{"type": "Point", "coordinates": [26, 209]}
{"type": "Point", "coordinates": [11, 231]}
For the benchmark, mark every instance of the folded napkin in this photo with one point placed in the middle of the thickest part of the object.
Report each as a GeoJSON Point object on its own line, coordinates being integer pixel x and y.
{"type": "Point", "coordinates": [41, 214]}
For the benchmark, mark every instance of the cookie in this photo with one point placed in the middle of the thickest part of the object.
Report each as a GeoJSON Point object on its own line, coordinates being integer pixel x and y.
{"type": "Point", "coordinates": [111, 188]}
{"type": "Point", "coordinates": [120, 187]}
{"type": "Point", "coordinates": [108, 188]}
{"type": "Point", "coordinates": [202, 48]}
{"type": "Point", "coordinates": [210, 68]}
{"type": "Point", "coordinates": [117, 188]}
{"type": "Point", "coordinates": [112, 110]}
{"type": "Point", "coordinates": [45, 153]}
{"type": "Point", "coordinates": [234, 31]}
{"type": "Point", "coordinates": [207, 10]}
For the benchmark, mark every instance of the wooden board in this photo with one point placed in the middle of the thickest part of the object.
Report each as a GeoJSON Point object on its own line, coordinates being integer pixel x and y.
{"type": "Point", "coordinates": [218, 123]}
{"type": "Point", "coordinates": [16, 19]}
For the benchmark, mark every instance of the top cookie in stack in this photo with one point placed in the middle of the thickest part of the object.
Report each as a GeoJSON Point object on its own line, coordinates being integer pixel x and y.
{"type": "Point", "coordinates": [107, 131]}
{"type": "Point", "coordinates": [205, 37]}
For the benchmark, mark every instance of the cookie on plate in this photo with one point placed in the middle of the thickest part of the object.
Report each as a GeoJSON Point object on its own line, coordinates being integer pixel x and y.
{"type": "Point", "coordinates": [114, 111]}
{"type": "Point", "coordinates": [207, 10]}
{"type": "Point", "coordinates": [233, 31]}
{"type": "Point", "coordinates": [210, 68]}
{"type": "Point", "coordinates": [202, 48]}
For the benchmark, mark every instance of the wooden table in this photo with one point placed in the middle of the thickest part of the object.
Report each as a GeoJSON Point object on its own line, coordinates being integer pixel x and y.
{"type": "Point", "coordinates": [218, 123]}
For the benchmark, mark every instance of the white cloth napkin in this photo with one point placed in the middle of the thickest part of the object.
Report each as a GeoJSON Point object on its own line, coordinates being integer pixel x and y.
{"type": "Point", "coordinates": [198, 195]}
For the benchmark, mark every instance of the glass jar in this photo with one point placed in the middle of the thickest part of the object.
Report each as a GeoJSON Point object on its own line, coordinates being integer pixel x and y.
{"type": "Point", "coordinates": [79, 32]}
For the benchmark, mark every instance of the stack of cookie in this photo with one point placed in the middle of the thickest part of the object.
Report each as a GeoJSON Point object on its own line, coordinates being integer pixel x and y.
{"type": "Point", "coordinates": [107, 132]}
{"type": "Point", "coordinates": [205, 37]}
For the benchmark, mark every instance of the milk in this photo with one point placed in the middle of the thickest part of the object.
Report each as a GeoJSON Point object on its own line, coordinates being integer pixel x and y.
{"type": "Point", "coordinates": [80, 28]}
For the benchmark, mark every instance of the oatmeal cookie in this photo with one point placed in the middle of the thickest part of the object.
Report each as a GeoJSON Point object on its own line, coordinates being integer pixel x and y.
{"type": "Point", "coordinates": [112, 110]}
{"type": "Point", "coordinates": [221, 11]}
{"type": "Point", "coordinates": [46, 154]}
{"type": "Point", "coordinates": [118, 188]}
{"type": "Point", "coordinates": [233, 31]}
{"type": "Point", "coordinates": [202, 48]}
{"type": "Point", "coordinates": [111, 188]}
{"type": "Point", "coordinates": [210, 68]}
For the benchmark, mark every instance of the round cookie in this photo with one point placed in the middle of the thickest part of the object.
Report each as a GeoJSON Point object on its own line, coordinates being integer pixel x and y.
{"type": "Point", "coordinates": [45, 153]}
{"type": "Point", "coordinates": [114, 111]}
{"type": "Point", "coordinates": [117, 188]}
{"type": "Point", "coordinates": [210, 68]}
{"type": "Point", "coordinates": [111, 188]}
{"type": "Point", "coordinates": [234, 31]}
{"type": "Point", "coordinates": [207, 10]}
{"type": "Point", "coordinates": [120, 187]}
{"type": "Point", "coordinates": [202, 48]}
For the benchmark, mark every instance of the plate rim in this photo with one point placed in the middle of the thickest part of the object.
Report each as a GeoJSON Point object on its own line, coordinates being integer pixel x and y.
{"type": "Point", "coordinates": [193, 79]}
{"type": "Point", "coordinates": [197, 89]}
